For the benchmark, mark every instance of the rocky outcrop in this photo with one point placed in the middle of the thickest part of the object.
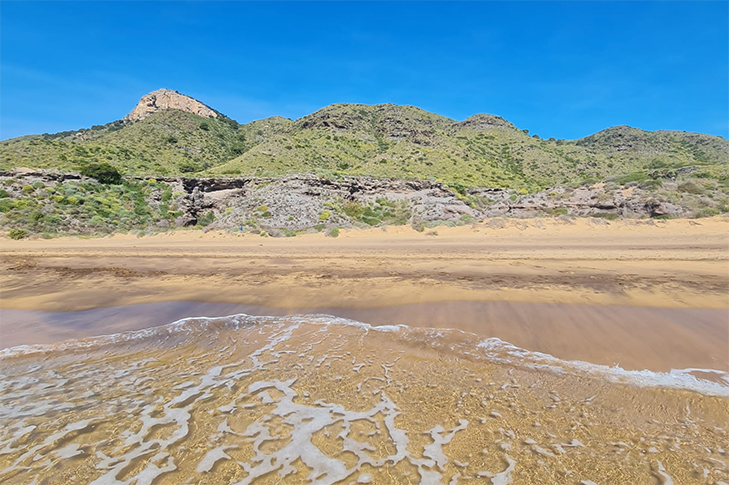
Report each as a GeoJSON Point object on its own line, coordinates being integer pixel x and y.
{"type": "Point", "coordinates": [306, 202]}
{"type": "Point", "coordinates": [168, 99]}
{"type": "Point", "coordinates": [483, 122]}
{"type": "Point", "coordinates": [298, 201]}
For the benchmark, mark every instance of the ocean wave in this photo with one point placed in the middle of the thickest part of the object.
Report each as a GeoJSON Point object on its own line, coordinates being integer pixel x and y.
{"type": "Point", "coordinates": [320, 399]}
{"type": "Point", "coordinates": [206, 330]}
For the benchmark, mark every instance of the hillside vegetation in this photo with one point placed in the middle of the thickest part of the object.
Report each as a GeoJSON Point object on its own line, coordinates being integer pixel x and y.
{"type": "Point", "coordinates": [381, 141]}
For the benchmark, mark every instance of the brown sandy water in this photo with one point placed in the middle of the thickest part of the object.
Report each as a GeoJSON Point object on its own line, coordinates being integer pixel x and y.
{"type": "Point", "coordinates": [658, 339]}
{"type": "Point", "coordinates": [319, 400]}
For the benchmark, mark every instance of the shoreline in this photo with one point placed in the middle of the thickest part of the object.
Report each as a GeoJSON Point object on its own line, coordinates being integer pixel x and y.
{"type": "Point", "coordinates": [603, 293]}
{"type": "Point", "coordinates": [633, 338]}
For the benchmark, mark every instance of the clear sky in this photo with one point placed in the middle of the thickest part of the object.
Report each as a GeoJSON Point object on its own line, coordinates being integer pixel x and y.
{"type": "Point", "coordinates": [558, 69]}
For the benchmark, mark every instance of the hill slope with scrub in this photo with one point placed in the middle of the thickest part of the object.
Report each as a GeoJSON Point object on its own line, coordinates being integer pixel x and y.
{"type": "Point", "coordinates": [376, 140]}
{"type": "Point", "coordinates": [174, 161]}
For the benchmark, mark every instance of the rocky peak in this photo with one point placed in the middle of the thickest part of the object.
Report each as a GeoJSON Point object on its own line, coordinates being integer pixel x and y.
{"type": "Point", "coordinates": [168, 99]}
{"type": "Point", "coordinates": [481, 122]}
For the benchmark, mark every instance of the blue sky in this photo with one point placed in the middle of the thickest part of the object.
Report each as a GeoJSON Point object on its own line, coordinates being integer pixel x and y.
{"type": "Point", "coordinates": [558, 69]}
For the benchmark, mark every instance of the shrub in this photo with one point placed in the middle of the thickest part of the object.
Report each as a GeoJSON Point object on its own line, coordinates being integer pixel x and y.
{"type": "Point", "coordinates": [188, 166]}
{"type": "Point", "coordinates": [418, 226]}
{"type": "Point", "coordinates": [167, 195]}
{"type": "Point", "coordinates": [690, 188]}
{"type": "Point", "coordinates": [708, 212]}
{"type": "Point", "coordinates": [651, 184]}
{"type": "Point", "coordinates": [353, 209]}
{"type": "Point", "coordinates": [103, 172]}
{"type": "Point", "coordinates": [28, 189]}
{"type": "Point", "coordinates": [557, 211]}
{"type": "Point", "coordinates": [633, 177]}
{"type": "Point", "coordinates": [206, 219]}
{"type": "Point", "coordinates": [17, 233]}
{"type": "Point", "coordinates": [325, 215]}
{"type": "Point", "coordinates": [371, 220]}
{"type": "Point", "coordinates": [333, 232]}
{"type": "Point", "coordinates": [610, 216]}
{"type": "Point", "coordinates": [4, 194]}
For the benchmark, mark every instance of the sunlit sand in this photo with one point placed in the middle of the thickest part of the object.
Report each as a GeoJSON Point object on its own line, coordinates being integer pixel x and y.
{"type": "Point", "coordinates": [629, 386]}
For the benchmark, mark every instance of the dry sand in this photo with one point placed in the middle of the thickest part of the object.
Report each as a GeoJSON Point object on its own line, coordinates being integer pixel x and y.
{"type": "Point", "coordinates": [568, 288]}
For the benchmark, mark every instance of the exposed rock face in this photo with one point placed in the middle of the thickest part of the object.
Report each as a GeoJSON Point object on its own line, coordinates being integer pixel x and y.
{"type": "Point", "coordinates": [305, 202]}
{"type": "Point", "coordinates": [168, 99]}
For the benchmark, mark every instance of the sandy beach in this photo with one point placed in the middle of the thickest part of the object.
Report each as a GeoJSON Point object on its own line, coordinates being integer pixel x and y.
{"type": "Point", "coordinates": [588, 290]}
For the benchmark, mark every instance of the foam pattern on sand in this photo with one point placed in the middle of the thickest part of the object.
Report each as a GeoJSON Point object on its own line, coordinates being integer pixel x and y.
{"type": "Point", "coordinates": [258, 400]}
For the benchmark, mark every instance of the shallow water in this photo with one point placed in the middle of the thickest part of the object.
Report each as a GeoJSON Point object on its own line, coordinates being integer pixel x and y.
{"type": "Point", "coordinates": [324, 400]}
{"type": "Point", "coordinates": [658, 339]}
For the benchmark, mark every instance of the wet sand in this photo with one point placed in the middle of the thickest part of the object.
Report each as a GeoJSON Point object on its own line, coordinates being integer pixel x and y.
{"type": "Point", "coordinates": [641, 294]}
{"type": "Point", "coordinates": [634, 338]}
{"type": "Point", "coordinates": [264, 400]}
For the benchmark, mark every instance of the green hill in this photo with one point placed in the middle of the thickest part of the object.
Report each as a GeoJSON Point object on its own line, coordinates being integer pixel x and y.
{"type": "Point", "coordinates": [382, 141]}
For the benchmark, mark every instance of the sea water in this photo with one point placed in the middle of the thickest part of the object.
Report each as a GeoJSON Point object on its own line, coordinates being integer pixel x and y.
{"type": "Point", "coordinates": [319, 399]}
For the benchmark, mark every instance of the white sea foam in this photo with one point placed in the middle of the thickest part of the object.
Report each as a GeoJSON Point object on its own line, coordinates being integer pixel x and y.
{"type": "Point", "coordinates": [503, 352]}
{"type": "Point", "coordinates": [493, 349]}
{"type": "Point", "coordinates": [252, 406]}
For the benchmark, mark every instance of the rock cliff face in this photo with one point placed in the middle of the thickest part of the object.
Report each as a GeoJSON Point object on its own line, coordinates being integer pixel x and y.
{"type": "Point", "coordinates": [305, 202]}
{"type": "Point", "coordinates": [168, 99]}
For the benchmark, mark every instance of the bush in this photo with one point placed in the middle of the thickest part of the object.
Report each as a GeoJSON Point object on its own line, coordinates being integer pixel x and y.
{"type": "Point", "coordinates": [333, 232]}
{"type": "Point", "coordinates": [371, 220]}
{"type": "Point", "coordinates": [418, 226]}
{"type": "Point", "coordinates": [610, 216]}
{"type": "Point", "coordinates": [188, 166]}
{"type": "Point", "coordinates": [325, 215]}
{"type": "Point", "coordinates": [632, 177]}
{"type": "Point", "coordinates": [206, 219]}
{"type": "Point", "coordinates": [690, 188]}
{"type": "Point", "coordinates": [557, 211]}
{"type": "Point", "coordinates": [353, 209]}
{"type": "Point", "coordinates": [103, 172]}
{"type": "Point", "coordinates": [17, 233]}
{"type": "Point", "coordinates": [4, 194]}
{"type": "Point", "coordinates": [708, 212]}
